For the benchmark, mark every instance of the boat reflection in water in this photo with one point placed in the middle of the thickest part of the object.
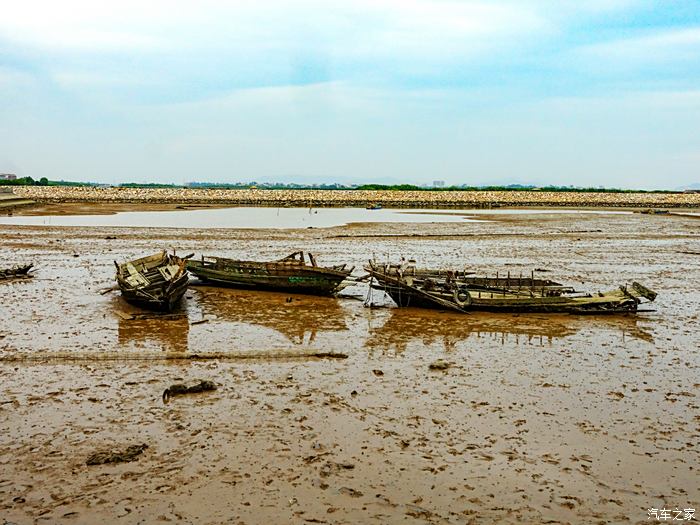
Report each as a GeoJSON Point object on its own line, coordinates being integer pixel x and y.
{"type": "Point", "coordinates": [299, 318]}
{"type": "Point", "coordinates": [170, 334]}
{"type": "Point", "coordinates": [406, 326]}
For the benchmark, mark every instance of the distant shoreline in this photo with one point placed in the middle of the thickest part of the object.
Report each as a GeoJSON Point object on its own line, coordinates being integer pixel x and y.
{"type": "Point", "coordinates": [355, 198]}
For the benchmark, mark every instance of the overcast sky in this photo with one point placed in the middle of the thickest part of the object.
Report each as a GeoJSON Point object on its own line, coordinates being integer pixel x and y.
{"type": "Point", "coordinates": [596, 92]}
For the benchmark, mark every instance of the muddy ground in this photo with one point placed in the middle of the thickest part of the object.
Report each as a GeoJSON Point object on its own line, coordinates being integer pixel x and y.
{"type": "Point", "coordinates": [539, 419]}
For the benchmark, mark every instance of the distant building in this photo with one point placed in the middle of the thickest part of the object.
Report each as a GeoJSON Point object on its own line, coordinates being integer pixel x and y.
{"type": "Point", "coordinates": [438, 184]}
{"type": "Point", "coordinates": [8, 176]}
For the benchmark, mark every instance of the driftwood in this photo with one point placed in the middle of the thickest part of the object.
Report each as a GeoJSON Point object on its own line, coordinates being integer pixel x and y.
{"type": "Point", "coordinates": [181, 389]}
{"type": "Point", "coordinates": [142, 316]}
{"type": "Point", "coordinates": [172, 356]}
{"type": "Point", "coordinates": [16, 272]}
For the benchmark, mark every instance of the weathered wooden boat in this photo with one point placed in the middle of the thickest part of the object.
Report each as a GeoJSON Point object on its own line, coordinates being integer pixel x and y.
{"type": "Point", "coordinates": [464, 292]}
{"type": "Point", "coordinates": [157, 281]}
{"type": "Point", "coordinates": [16, 272]}
{"type": "Point", "coordinates": [291, 274]}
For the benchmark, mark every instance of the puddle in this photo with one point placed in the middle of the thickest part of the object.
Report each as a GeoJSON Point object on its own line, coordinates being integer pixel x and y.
{"type": "Point", "coordinates": [277, 218]}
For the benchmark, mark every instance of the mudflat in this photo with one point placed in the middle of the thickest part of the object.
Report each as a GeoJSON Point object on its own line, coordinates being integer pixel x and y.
{"type": "Point", "coordinates": [528, 418]}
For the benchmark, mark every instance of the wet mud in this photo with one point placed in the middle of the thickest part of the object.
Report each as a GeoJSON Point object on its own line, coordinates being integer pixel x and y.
{"type": "Point", "coordinates": [527, 418]}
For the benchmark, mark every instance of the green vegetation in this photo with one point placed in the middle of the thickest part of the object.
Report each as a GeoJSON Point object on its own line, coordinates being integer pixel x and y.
{"type": "Point", "coordinates": [28, 181]}
{"type": "Point", "coordinates": [512, 187]}
{"type": "Point", "coordinates": [25, 181]}
{"type": "Point", "coordinates": [149, 185]}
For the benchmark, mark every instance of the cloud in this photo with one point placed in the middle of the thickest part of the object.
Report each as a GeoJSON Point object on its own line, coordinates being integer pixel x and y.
{"type": "Point", "coordinates": [667, 45]}
{"type": "Point", "coordinates": [348, 27]}
{"type": "Point", "coordinates": [177, 50]}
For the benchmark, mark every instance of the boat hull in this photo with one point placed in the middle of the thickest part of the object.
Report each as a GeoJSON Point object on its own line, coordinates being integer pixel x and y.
{"type": "Point", "coordinates": [169, 296]}
{"type": "Point", "coordinates": [607, 305]}
{"type": "Point", "coordinates": [307, 282]}
{"type": "Point", "coordinates": [405, 294]}
{"type": "Point", "coordinates": [155, 282]}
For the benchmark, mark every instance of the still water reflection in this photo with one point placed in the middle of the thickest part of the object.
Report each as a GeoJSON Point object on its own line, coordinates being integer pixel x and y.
{"type": "Point", "coordinates": [413, 326]}
{"type": "Point", "coordinates": [169, 335]}
{"type": "Point", "coordinates": [299, 318]}
{"type": "Point", "coordinates": [247, 319]}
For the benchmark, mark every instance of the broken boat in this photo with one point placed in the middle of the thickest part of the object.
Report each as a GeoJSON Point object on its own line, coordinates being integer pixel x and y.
{"type": "Point", "coordinates": [157, 281]}
{"type": "Point", "coordinates": [464, 291]}
{"type": "Point", "coordinates": [16, 272]}
{"type": "Point", "coordinates": [290, 274]}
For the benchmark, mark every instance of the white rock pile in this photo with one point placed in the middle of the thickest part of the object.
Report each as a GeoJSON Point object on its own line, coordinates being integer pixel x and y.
{"type": "Point", "coordinates": [319, 198]}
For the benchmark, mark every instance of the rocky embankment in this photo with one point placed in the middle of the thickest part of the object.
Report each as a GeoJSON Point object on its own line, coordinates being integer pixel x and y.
{"type": "Point", "coordinates": [318, 198]}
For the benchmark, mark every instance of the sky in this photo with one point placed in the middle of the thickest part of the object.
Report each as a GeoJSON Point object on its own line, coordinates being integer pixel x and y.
{"type": "Point", "coordinates": [568, 92]}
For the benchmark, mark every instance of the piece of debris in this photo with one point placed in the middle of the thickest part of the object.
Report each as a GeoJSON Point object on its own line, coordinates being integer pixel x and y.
{"type": "Point", "coordinates": [131, 453]}
{"type": "Point", "coordinates": [347, 491]}
{"type": "Point", "coordinates": [652, 211]}
{"type": "Point", "coordinates": [181, 389]}
{"type": "Point", "coordinates": [331, 467]}
{"type": "Point", "coordinates": [150, 315]}
{"type": "Point", "coordinates": [314, 457]}
{"type": "Point", "coordinates": [378, 372]}
{"type": "Point", "coordinates": [440, 364]}
{"type": "Point", "coordinates": [418, 512]}
{"type": "Point", "coordinates": [332, 355]}
{"type": "Point", "coordinates": [200, 321]}
{"type": "Point", "coordinates": [16, 272]}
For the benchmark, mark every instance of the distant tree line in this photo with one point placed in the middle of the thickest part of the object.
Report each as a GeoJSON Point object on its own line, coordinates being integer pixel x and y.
{"type": "Point", "coordinates": [25, 181]}
{"type": "Point", "coordinates": [148, 185]}
{"type": "Point", "coordinates": [29, 181]}
{"type": "Point", "coordinates": [512, 187]}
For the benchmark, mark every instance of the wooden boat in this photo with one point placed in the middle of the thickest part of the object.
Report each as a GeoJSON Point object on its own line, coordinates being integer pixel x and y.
{"type": "Point", "coordinates": [291, 274]}
{"type": "Point", "coordinates": [16, 272]}
{"type": "Point", "coordinates": [464, 292]}
{"type": "Point", "coordinates": [157, 281]}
